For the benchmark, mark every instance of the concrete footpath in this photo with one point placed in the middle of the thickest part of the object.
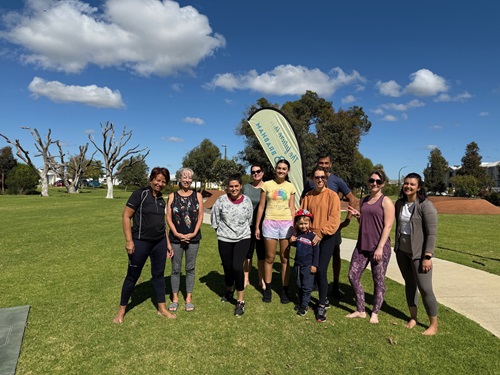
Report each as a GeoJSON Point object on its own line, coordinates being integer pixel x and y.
{"type": "Point", "coordinates": [470, 292]}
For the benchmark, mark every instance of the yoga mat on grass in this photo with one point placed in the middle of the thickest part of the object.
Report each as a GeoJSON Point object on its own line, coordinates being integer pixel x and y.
{"type": "Point", "coordinates": [12, 325]}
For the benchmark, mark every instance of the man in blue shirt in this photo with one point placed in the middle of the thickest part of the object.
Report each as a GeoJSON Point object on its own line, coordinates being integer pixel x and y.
{"type": "Point", "coordinates": [336, 184]}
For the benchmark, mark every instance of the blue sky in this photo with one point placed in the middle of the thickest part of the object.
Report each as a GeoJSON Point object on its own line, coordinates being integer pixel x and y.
{"type": "Point", "coordinates": [175, 73]}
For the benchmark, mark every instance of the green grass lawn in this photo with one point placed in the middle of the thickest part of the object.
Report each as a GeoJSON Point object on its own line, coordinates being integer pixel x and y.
{"type": "Point", "coordinates": [64, 255]}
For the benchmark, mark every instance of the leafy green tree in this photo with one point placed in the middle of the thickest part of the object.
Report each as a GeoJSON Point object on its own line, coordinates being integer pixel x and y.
{"type": "Point", "coordinates": [7, 163]}
{"type": "Point", "coordinates": [435, 172]}
{"type": "Point", "coordinates": [471, 166]}
{"type": "Point", "coordinates": [223, 168]}
{"type": "Point", "coordinates": [253, 153]}
{"type": "Point", "coordinates": [339, 134]}
{"type": "Point", "coordinates": [94, 171]}
{"type": "Point", "coordinates": [136, 174]}
{"type": "Point", "coordinates": [319, 129]}
{"type": "Point", "coordinates": [201, 160]}
{"type": "Point", "coordinates": [22, 179]}
{"type": "Point", "coordinates": [361, 170]}
{"type": "Point", "coordinates": [465, 186]}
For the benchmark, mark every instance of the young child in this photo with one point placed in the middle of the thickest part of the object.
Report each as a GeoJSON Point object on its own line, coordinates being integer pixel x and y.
{"type": "Point", "coordinates": [306, 259]}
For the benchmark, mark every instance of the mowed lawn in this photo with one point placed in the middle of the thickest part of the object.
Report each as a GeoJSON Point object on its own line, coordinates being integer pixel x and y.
{"type": "Point", "coordinates": [64, 255]}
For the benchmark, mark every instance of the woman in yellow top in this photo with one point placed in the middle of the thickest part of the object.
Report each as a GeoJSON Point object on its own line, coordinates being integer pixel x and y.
{"type": "Point", "coordinates": [324, 204]}
{"type": "Point", "coordinates": [278, 199]}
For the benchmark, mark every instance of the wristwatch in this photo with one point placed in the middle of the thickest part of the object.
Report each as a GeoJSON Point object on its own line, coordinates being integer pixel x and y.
{"type": "Point", "coordinates": [428, 257]}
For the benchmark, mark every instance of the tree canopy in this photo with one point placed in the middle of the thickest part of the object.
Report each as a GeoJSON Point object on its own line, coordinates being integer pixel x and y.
{"type": "Point", "coordinates": [136, 174]}
{"type": "Point", "coordinates": [319, 129]}
{"type": "Point", "coordinates": [7, 163]}
{"type": "Point", "coordinates": [201, 160]}
{"type": "Point", "coordinates": [436, 171]}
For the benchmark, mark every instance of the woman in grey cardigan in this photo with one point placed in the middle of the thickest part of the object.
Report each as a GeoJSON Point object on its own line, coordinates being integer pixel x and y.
{"type": "Point", "coordinates": [416, 226]}
{"type": "Point", "coordinates": [231, 218]}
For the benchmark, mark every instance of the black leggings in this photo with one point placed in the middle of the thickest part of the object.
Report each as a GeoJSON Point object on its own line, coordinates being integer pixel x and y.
{"type": "Point", "coordinates": [232, 255]}
{"type": "Point", "coordinates": [157, 251]}
{"type": "Point", "coordinates": [326, 247]}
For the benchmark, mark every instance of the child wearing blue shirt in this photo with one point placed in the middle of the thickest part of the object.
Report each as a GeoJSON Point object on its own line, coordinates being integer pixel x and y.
{"type": "Point", "coordinates": [306, 259]}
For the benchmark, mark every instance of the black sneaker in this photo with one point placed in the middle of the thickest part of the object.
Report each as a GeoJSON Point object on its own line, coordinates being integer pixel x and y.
{"type": "Point", "coordinates": [267, 296]}
{"type": "Point", "coordinates": [296, 307]}
{"type": "Point", "coordinates": [228, 296]}
{"type": "Point", "coordinates": [327, 304]}
{"type": "Point", "coordinates": [321, 314]}
{"type": "Point", "coordinates": [284, 299]}
{"type": "Point", "coordinates": [302, 310]}
{"type": "Point", "coordinates": [240, 308]}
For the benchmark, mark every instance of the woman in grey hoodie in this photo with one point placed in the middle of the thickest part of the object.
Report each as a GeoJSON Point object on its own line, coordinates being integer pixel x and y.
{"type": "Point", "coordinates": [231, 218]}
{"type": "Point", "coordinates": [416, 229]}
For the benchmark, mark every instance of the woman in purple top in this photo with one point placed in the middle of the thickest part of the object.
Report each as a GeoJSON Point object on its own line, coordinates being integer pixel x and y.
{"type": "Point", "coordinates": [375, 218]}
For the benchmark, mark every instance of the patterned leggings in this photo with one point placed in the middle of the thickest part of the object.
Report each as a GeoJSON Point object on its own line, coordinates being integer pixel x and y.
{"type": "Point", "coordinates": [359, 262]}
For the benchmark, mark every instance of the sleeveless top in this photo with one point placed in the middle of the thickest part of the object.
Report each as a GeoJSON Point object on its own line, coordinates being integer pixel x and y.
{"type": "Point", "coordinates": [371, 225]}
{"type": "Point", "coordinates": [185, 211]}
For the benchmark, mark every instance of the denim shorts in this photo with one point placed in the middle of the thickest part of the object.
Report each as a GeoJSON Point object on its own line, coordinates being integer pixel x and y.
{"type": "Point", "coordinates": [277, 229]}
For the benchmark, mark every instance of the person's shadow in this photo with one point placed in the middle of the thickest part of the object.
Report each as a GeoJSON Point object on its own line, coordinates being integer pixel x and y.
{"type": "Point", "coordinates": [143, 292]}
{"type": "Point", "coordinates": [215, 282]}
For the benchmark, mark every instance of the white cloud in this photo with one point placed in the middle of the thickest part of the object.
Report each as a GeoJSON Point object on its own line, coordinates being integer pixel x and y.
{"type": "Point", "coordinates": [145, 36]}
{"type": "Point", "coordinates": [484, 114]}
{"type": "Point", "coordinates": [228, 101]}
{"type": "Point", "coordinates": [378, 111]}
{"type": "Point", "coordinates": [177, 87]}
{"type": "Point", "coordinates": [390, 118]}
{"type": "Point", "coordinates": [348, 99]}
{"type": "Point", "coordinates": [401, 107]}
{"type": "Point", "coordinates": [390, 88]}
{"type": "Point", "coordinates": [287, 80]}
{"type": "Point", "coordinates": [431, 147]}
{"type": "Point", "coordinates": [194, 120]}
{"type": "Point", "coordinates": [173, 139]}
{"type": "Point", "coordinates": [426, 83]}
{"type": "Point", "coordinates": [89, 131]}
{"type": "Point", "coordinates": [404, 116]}
{"type": "Point", "coordinates": [458, 98]}
{"type": "Point", "coordinates": [101, 97]}
{"type": "Point", "coordinates": [436, 127]}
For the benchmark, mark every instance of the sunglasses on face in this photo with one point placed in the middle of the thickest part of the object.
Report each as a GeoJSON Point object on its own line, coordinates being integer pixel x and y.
{"type": "Point", "coordinates": [256, 172]}
{"type": "Point", "coordinates": [373, 181]}
{"type": "Point", "coordinates": [320, 177]}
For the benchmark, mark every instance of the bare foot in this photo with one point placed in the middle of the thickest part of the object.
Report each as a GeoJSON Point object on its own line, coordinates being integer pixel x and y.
{"type": "Point", "coordinates": [118, 318]}
{"type": "Point", "coordinates": [411, 323]}
{"type": "Point", "coordinates": [356, 314]}
{"type": "Point", "coordinates": [165, 312]}
{"type": "Point", "coordinates": [119, 315]}
{"type": "Point", "coordinates": [374, 318]}
{"type": "Point", "coordinates": [431, 331]}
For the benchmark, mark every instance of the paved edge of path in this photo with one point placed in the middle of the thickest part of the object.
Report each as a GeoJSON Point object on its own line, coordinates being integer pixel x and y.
{"type": "Point", "coordinates": [470, 292]}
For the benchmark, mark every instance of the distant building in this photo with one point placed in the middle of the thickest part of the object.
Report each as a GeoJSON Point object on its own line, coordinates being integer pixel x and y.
{"type": "Point", "coordinates": [492, 169]}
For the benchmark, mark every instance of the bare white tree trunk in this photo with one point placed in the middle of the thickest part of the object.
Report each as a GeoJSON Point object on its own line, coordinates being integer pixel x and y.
{"type": "Point", "coordinates": [112, 148]}
{"type": "Point", "coordinates": [43, 149]}
{"type": "Point", "coordinates": [44, 182]}
{"type": "Point", "coordinates": [109, 182]}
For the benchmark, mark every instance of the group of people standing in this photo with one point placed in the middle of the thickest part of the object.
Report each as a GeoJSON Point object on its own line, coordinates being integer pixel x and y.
{"type": "Point", "coordinates": [262, 216]}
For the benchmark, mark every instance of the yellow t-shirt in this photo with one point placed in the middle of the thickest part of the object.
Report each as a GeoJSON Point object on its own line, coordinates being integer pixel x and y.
{"type": "Point", "coordinates": [278, 200]}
